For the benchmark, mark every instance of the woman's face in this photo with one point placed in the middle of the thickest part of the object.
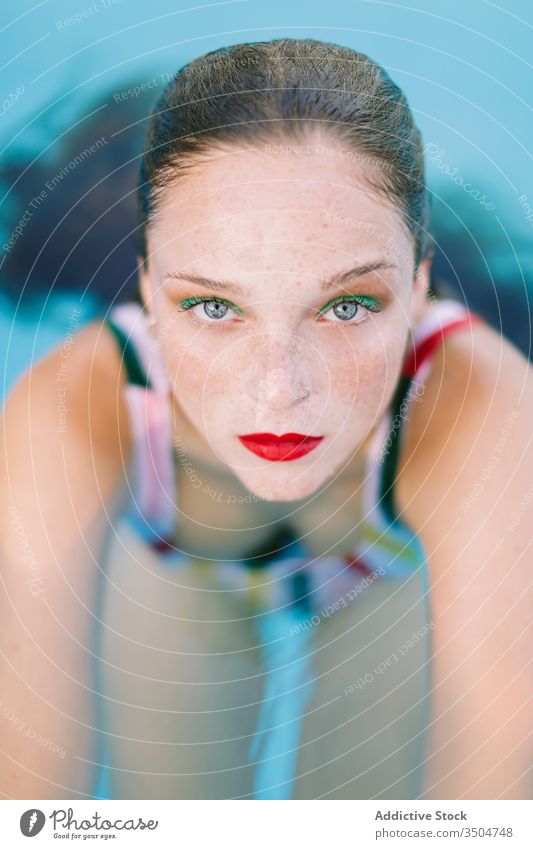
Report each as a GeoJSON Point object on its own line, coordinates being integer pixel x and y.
{"type": "Point", "coordinates": [278, 236]}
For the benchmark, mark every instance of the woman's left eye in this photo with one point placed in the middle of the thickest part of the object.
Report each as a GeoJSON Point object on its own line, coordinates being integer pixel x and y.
{"type": "Point", "coordinates": [346, 308]}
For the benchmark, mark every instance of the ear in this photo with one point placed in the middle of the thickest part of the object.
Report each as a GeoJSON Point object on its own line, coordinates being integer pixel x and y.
{"type": "Point", "coordinates": [421, 285]}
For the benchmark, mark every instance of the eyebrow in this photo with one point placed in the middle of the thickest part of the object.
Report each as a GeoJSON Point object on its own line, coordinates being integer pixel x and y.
{"type": "Point", "coordinates": [338, 279]}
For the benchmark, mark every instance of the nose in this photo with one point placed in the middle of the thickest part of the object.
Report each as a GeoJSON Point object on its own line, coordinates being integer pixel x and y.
{"type": "Point", "coordinates": [284, 372]}
{"type": "Point", "coordinates": [277, 391]}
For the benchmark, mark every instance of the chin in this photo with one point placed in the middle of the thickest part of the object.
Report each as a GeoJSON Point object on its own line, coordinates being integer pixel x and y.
{"type": "Point", "coordinates": [286, 490]}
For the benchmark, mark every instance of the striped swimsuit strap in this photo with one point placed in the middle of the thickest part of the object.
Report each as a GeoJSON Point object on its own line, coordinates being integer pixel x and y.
{"type": "Point", "coordinates": [453, 316]}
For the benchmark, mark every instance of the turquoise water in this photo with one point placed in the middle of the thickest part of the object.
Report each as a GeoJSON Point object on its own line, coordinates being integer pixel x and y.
{"type": "Point", "coordinates": [464, 68]}
{"type": "Point", "coordinates": [26, 336]}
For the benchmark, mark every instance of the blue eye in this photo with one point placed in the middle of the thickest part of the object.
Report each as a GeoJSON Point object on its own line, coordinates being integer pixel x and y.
{"type": "Point", "coordinates": [214, 308]}
{"type": "Point", "coordinates": [346, 308]}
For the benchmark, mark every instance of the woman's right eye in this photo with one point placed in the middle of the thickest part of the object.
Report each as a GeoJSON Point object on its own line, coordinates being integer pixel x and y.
{"type": "Point", "coordinates": [212, 310]}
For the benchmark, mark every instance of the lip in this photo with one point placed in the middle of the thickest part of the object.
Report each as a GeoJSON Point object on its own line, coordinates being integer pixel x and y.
{"type": "Point", "coordinates": [288, 446]}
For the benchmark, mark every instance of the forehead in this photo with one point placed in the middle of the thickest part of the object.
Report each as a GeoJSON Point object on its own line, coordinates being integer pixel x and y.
{"type": "Point", "coordinates": [311, 201]}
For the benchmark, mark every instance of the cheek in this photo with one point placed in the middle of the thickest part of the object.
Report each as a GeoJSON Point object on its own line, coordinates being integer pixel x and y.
{"type": "Point", "coordinates": [194, 380]}
{"type": "Point", "coordinates": [208, 382]}
{"type": "Point", "coordinates": [382, 371]}
{"type": "Point", "coordinates": [365, 370]}
{"type": "Point", "coordinates": [363, 364]}
{"type": "Point", "coordinates": [357, 395]}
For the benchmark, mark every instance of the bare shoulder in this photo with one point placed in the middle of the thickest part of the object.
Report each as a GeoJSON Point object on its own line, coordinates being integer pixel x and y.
{"type": "Point", "coordinates": [77, 385]}
{"type": "Point", "coordinates": [65, 421]}
{"type": "Point", "coordinates": [64, 439]}
{"type": "Point", "coordinates": [465, 488]}
{"type": "Point", "coordinates": [473, 415]}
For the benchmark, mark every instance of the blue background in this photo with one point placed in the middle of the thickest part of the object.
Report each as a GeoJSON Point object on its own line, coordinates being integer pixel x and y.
{"type": "Point", "coordinates": [464, 67]}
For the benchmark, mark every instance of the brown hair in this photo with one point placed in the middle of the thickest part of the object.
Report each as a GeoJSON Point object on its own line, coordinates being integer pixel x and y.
{"type": "Point", "coordinates": [279, 89]}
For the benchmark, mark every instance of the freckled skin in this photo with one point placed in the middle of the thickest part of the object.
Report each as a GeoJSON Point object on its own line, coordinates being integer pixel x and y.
{"type": "Point", "coordinates": [278, 224]}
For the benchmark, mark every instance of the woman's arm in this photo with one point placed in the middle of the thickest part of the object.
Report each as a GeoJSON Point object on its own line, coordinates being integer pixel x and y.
{"type": "Point", "coordinates": [61, 470]}
{"type": "Point", "coordinates": [466, 474]}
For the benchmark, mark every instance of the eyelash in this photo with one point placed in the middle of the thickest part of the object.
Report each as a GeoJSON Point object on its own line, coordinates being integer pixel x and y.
{"type": "Point", "coordinates": [370, 304]}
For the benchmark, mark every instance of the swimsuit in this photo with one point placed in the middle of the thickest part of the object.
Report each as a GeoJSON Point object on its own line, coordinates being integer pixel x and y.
{"type": "Point", "coordinates": [288, 591]}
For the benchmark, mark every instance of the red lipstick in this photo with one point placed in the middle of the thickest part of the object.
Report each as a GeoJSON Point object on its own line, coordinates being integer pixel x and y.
{"type": "Point", "coordinates": [288, 446]}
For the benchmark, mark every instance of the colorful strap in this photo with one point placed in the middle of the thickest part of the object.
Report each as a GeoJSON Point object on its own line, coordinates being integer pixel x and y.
{"type": "Point", "coordinates": [134, 370]}
{"type": "Point", "coordinates": [424, 350]}
{"type": "Point", "coordinates": [418, 355]}
{"type": "Point", "coordinates": [154, 506]}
